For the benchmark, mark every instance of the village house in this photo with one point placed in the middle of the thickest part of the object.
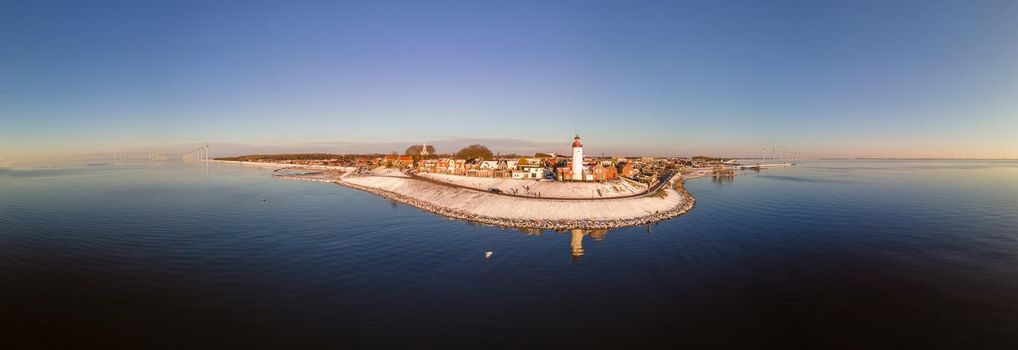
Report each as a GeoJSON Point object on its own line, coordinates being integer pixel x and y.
{"type": "Point", "coordinates": [504, 168]}
{"type": "Point", "coordinates": [444, 166]}
{"type": "Point", "coordinates": [427, 165]}
{"type": "Point", "coordinates": [478, 172]}
{"type": "Point", "coordinates": [363, 161]}
{"type": "Point", "coordinates": [404, 161]}
{"type": "Point", "coordinates": [485, 169]}
{"type": "Point", "coordinates": [591, 171]}
{"type": "Point", "coordinates": [449, 166]}
{"type": "Point", "coordinates": [391, 160]}
{"type": "Point", "coordinates": [566, 173]}
{"type": "Point", "coordinates": [601, 173]}
{"type": "Point", "coordinates": [532, 168]}
{"type": "Point", "coordinates": [625, 168]}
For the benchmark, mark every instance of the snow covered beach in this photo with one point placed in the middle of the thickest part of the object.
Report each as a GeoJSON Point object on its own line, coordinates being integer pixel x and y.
{"type": "Point", "coordinates": [545, 188]}
{"type": "Point", "coordinates": [509, 211]}
{"type": "Point", "coordinates": [503, 210]}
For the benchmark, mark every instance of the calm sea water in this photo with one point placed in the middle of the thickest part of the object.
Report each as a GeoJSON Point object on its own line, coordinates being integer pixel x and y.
{"type": "Point", "coordinates": [832, 254]}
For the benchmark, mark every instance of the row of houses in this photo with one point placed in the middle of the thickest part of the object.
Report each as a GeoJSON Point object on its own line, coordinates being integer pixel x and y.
{"type": "Point", "coordinates": [544, 165]}
{"type": "Point", "coordinates": [597, 170]}
{"type": "Point", "coordinates": [541, 166]}
{"type": "Point", "coordinates": [523, 168]}
{"type": "Point", "coordinates": [397, 161]}
{"type": "Point", "coordinates": [527, 168]}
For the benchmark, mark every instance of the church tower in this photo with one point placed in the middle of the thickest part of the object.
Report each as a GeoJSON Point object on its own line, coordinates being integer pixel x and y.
{"type": "Point", "coordinates": [424, 149]}
{"type": "Point", "coordinates": [577, 159]}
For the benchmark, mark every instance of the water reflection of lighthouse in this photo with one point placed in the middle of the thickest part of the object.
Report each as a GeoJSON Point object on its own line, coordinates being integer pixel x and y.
{"type": "Point", "coordinates": [576, 243]}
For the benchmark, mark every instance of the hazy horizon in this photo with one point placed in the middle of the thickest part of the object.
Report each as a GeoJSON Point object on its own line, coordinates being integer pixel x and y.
{"type": "Point", "coordinates": [895, 79]}
{"type": "Point", "coordinates": [444, 146]}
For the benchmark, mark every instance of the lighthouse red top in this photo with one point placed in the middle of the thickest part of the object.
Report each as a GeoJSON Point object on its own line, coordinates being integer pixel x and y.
{"type": "Point", "coordinates": [576, 142]}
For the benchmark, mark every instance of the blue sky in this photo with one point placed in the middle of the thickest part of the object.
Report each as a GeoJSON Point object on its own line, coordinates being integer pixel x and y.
{"type": "Point", "coordinates": [829, 78]}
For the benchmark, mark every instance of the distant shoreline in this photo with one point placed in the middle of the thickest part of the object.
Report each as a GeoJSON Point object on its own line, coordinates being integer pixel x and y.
{"type": "Point", "coordinates": [977, 159]}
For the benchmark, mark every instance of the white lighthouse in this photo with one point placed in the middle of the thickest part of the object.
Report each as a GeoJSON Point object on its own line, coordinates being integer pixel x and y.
{"type": "Point", "coordinates": [577, 159]}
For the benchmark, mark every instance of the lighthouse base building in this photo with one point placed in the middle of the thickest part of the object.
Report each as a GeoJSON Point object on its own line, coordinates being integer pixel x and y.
{"type": "Point", "coordinates": [575, 169]}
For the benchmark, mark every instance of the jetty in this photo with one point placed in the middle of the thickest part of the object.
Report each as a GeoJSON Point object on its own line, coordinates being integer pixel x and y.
{"type": "Point", "coordinates": [763, 166]}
